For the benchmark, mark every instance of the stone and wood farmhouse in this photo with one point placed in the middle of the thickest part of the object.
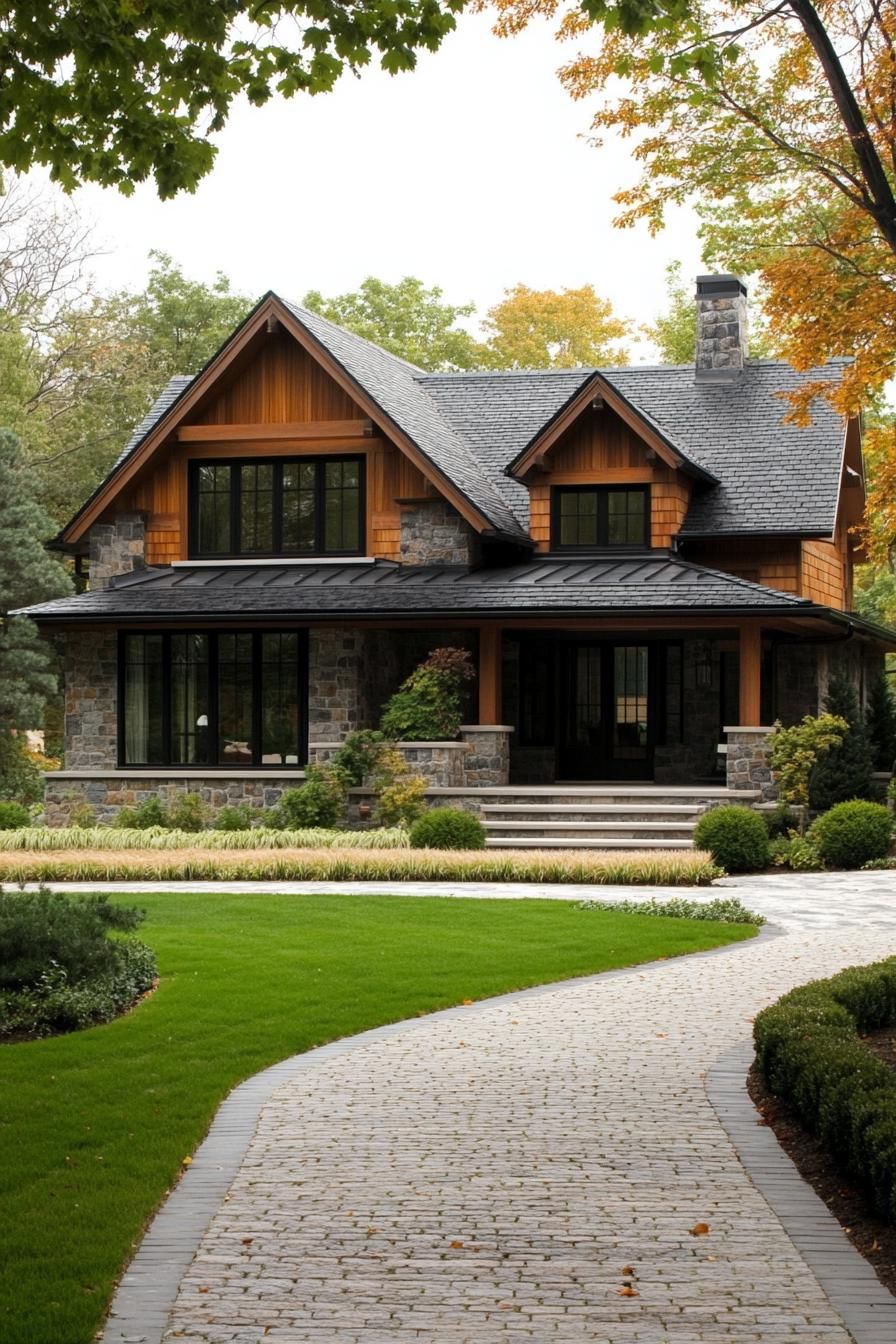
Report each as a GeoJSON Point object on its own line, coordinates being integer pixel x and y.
{"type": "Point", "coordinates": [648, 564]}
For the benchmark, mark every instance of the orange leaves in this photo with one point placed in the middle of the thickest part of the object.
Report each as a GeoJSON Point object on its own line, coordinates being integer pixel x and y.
{"type": "Point", "coordinates": [699, 1230]}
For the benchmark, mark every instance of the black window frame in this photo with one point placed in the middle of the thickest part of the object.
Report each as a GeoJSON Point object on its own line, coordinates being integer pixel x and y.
{"type": "Point", "coordinates": [319, 462]}
{"type": "Point", "coordinates": [213, 715]}
{"type": "Point", "coordinates": [603, 493]}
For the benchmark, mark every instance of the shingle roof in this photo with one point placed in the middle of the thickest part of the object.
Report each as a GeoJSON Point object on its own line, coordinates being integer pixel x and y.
{"type": "Point", "coordinates": [395, 386]}
{"type": "Point", "coordinates": [644, 583]}
{"type": "Point", "coordinates": [773, 476]}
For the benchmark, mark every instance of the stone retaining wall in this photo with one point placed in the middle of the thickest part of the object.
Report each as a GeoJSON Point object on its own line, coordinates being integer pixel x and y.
{"type": "Point", "coordinates": [106, 793]}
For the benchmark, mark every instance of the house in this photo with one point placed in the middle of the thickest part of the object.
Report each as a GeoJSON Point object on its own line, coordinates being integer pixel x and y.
{"type": "Point", "coordinates": [647, 563]}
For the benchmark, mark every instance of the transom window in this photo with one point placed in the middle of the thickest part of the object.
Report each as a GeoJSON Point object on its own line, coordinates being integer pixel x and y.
{"type": "Point", "coordinates": [220, 698]}
{"type": "Point", "coordinates": [589, 516]}
{"type": "Point", "coordinates": [283, 506]}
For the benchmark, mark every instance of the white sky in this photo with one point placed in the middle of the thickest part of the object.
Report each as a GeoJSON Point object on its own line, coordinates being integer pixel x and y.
{"type": "Point", "coordinates": [472, 173]}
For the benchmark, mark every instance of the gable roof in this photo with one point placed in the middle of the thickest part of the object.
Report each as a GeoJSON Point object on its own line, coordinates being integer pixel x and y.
{"type": "Point", "coordinates": [755, 473]}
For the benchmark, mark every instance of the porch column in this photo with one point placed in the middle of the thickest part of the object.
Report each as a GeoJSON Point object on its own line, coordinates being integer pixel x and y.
{"type": "Point", "coordinates": [490, 674]}
{"type": "Point", "coordinates": [750, 675]}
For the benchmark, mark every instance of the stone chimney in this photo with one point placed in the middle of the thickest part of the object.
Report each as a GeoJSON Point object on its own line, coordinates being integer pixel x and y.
{"type": "Point", "coordinates": [721, 328]}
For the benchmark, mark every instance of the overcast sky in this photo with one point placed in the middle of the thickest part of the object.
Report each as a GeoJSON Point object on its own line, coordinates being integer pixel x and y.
{"type": "Point", "coordinates": [472, 173]}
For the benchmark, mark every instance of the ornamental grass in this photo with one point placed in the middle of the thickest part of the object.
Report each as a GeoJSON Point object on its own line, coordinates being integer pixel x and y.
{"type": "Point", "coordinates": [345, 864]}
{"type": "Point", "coordinates": [43, 838]}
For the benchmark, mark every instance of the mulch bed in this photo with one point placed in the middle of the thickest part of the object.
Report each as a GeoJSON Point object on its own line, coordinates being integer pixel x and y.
{"type": "Point", "coordinates": [875, 1240]}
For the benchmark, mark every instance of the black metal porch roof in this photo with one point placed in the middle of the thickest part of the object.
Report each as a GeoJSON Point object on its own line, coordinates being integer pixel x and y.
{"type": "Point", "coordinates": [630, 585]}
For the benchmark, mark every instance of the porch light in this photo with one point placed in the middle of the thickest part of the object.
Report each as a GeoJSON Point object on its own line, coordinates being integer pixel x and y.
{"type": "Point", "coordinates": [703, 669]}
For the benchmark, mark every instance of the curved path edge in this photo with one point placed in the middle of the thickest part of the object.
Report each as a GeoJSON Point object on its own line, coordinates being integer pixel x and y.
{"type": "Point", "coordinates": [143, 1301]}
{"type": "Point", "coordinates": [855, 1292]}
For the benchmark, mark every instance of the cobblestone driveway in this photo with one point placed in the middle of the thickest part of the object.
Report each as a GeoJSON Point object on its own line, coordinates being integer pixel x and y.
{"type": "Point", "coordinates": [499, 1175]}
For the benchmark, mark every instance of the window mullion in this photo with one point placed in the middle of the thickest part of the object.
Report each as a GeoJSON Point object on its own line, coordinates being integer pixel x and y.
{"type": "Point", "coordinates": [235, 507]}
{"type": "Point", "coordinates": [277, 509]}
{"type": "Point", "coordinates": [257, 698]}
{"type": "Point", "coordinates": [320, 536]}
{"type": "Point", "coordinates": [603, 513]}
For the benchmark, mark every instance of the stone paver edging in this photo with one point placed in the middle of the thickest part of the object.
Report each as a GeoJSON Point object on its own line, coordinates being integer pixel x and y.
{"type": "Point", "coordinates": [146, 1294]}
{"type": "Point", "coordinates": [867, 1308]}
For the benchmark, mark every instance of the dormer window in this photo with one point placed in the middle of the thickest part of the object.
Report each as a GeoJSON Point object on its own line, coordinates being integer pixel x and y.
{"type": "Point", "coordinates": [282, 506]}
{"type": "Point", "coordinates": [591, 517]}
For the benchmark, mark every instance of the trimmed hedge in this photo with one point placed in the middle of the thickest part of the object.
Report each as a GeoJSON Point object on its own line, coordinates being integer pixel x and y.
{"type": "Point", "coordinates": [736, 837]}
{"type": "Point", "coordinates": [853, 833]}
{"type": "Point", "coordinates": [447, 828]}
{"type": "Point", "coordinates": [13, 816]}
{"type": "Point", "coordinates": [809, 1052]}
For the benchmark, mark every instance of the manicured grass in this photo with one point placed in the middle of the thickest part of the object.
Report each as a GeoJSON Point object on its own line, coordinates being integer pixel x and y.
{"type": "Point", "coordinates": [94, 1126]}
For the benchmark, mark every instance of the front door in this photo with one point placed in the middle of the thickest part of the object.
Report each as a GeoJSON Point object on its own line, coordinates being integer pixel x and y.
{"type": "Point", "coordinates": [605, 717]}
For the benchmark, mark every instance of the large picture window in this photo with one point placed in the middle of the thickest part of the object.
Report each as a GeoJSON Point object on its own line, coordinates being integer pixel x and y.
{"type": "Point", "coordinates": [284, 506]}
{"type": "Point", "coordinates": [587, 517]}
{"type": "Point", "coordinates": [220, 698]}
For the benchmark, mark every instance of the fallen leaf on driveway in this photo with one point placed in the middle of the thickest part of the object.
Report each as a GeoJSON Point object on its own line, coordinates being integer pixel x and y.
{"type": "Point", "coordinates": [699, 1230]}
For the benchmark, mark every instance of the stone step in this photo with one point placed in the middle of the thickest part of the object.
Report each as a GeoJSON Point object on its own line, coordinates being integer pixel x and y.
{"type": "Point", "coordinates": [580, 842]}
{"type": "Point", "coordinates": [654, 812]}
{"type": "Point", "coordinates": [656, 829]}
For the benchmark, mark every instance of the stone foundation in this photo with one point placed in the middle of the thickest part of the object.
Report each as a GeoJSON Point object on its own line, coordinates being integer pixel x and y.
{"type": "Point", "coordinates": [106, 793]}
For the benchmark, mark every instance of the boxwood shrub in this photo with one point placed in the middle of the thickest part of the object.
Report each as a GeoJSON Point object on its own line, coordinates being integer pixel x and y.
{"type": "Point", "coordinates": [736, 837]}
{"type": "Point", "coordinates": [59, 969]}
{"type": "Point", "coordinates": [809, 1052]}
{"type": "Point", "coordinates": [851, 834]}
{"type": "Point", "coordinates": [448, 828]}
{"type": "Point", "coordinates": [13, 816]}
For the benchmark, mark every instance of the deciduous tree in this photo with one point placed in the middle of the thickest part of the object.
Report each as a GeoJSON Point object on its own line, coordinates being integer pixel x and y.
{"type": "Point", "coordinates": [119, 93]}
{"type": "Point", "coordinates": [779, 119]}
{"type": "Point", "coordinates": [408, 319]}
{"type": "Point", "coordinates": [538, 329]}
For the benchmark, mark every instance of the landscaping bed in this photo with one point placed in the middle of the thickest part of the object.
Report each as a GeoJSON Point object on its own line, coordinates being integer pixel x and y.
{"type": "Point", "coordinates": [97, 1123]}
{"type": "Point", "coordinates": [813, 1052]}
{"type": "Point", "coordinates": [845, 1197]}
{"type": "Point", "coordinates": [200, 863]}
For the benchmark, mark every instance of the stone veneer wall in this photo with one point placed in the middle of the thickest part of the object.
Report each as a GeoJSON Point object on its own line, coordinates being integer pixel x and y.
{"type": "Point", "coordinates": [336, 684]}
{"type": "Point", "coordinates": [117, 548]}
{"type": "Point", "coordinates": [90, 678]}
{"type": "Point", "coordinates": [338, 693]}
{"type": "Point", "coordinates": [433, 533]}
{"type": "Point", "coordinates": [747, 762]}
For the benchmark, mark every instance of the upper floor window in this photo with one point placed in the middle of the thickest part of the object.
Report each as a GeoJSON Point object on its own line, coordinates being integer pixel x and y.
{"type": "Point", "coordinates": [588, 516]}
{"type": "Point", "coordinates": [284, 506]}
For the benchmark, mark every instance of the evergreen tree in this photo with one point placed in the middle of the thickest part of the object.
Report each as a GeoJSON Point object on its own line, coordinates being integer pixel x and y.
{"type": "Point", "coordinates": [844, 772]}
{"type": "Point", "coordinates": [880, 720]}
{"type": "Point", "coordinates": [28, 573]}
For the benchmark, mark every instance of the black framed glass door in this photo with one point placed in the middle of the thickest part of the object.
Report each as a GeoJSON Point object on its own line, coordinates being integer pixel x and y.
{"type": "Point", "coordinates": [606, 709]}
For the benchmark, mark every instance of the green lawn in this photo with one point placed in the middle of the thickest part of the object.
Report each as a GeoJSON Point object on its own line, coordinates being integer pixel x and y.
{"type": "Point", "coordinates": [94, 1125]}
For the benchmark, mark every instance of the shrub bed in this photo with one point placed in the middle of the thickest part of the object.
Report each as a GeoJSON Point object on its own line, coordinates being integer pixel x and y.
{"type": "Point", "coordinates": [59, 969]}
{"type": "Point", "coordinates": [809, 1052]}
{"type": "Point", "coordinates": [672, 868]}
{"type": "Point", "coordinates": [447, 828]}
{"type": "Point", "coordinates": [853, 833]}
{"type": "Point", "coordinates": [736, 837]}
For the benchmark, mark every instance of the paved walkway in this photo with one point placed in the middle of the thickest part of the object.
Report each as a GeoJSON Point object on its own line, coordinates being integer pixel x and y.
{"type": "Point", "coordinates": [502, 1173]}
{"type": "Point", "coordinates": [792, 900]}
